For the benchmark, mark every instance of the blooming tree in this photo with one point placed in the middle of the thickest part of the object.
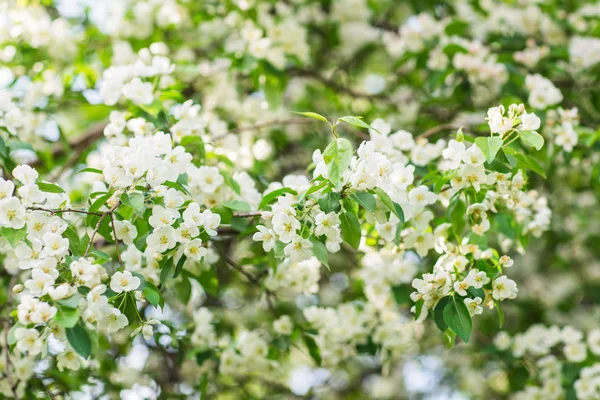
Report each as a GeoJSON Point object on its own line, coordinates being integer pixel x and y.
{"type": "Point", "coordinates": [262, 199]}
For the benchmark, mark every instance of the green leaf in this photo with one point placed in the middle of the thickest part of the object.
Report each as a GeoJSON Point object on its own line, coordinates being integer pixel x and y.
{"type": "Point", "coordinates": [99, 202]}
{"type": "Point", "coordinates": [402, 293]}
{"type": "Point", "coordinates": [457, 317]}
{"type": "Point", "coordinates": [320, 251]}
{"type": "Point", "coordinates": [176, 186]}
{"type": "Point", "coordinates": [80, 340]}
{"type": "Point", "coordinates": [74, 241]}
{"type": "Point", "coordinates": [166, 269]}
{"type": "Point", "coordinates": [350, 229]}
{"type": "Point", "coordinates": [457, 214]}
{"type": "Point", "coordinates": [67, 317]}
{"type": "Point", "coordinates": [50, 187]}
{"type": "Point", "coordinates": [316, 188]}
{"type": "Point", "coordinates": [183, 290]}
{"type": "Point", "coordinates": [391, 205]}
{"type": "Point", "coordinates": [533, 139]}
{"type": "Point", "coordinates": [11, 339]}
{"type": "Point", "coordinates": [476, 292]}
{"type": "Point", "coordinates": [330, 202]}
{"type": "Point", "coordinates": [530, 163]}
{"type": "Point", "coordinates": [71, 302]}
{"type": "Point", "coordinates": [312, 115]}
{"type": "Point", "coordinates": [152, 296]}
{"type": "Point", "coordinates": [231, 183]}
{"type": "Point", "coordinates": [273, 195]}
{"type": "Point", "coordinates": [356, 121]}
{"type": "Point", "coordinates": [238, 205]}
{"type": "Point", "coordinates": [134, 200]}
{"type": "Point", "coordinates": [273, 87]}
{"type": "Point", "coordinates": [438, 313]}
{"type": "Point", "coordinates": [313, 349]}
{"type": "Point", "coordinates": [92, 170]}
{"type": "Point", "coordinates": [3, 150]}
{"type": "Point", "coordinates": [337, 156]}
{"type": "Point", "coordinates": [453, 48]}
{"type": "Point", "coordinates": [179, 266]}
{"type": "Point", "coordinates": [209, 281]}
{"type": "Point", "coordinates": [14, 236]}
{"type": "Point", "coordinates": [366, 200]}
{"type": "Point", "coordinates": [419, 308]}
{"type": "Point", "coordinates": [195, 146]}
{"type": "Point", "coordinates": [489, 146]}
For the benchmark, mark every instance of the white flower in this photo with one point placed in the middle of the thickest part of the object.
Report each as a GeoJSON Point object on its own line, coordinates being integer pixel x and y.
{"type": "Point", "coordinates": [162, 239]}
{"type": "Point", "coordinates": [502, 340]}
{"type": "Point", "coordinates": [173, 198]}
{"type": "Point", "coordinates": [139, 92]}
{"type": "Point", "coordinates": [283, 325]}
{"type": "Point", "coordinates": [504, 288]}
{"type": "Point", "coordinates": [208, 179]}
{"type": "Point", "coordinates": [327, 224]}
{"type": "Point", "coordinates": [575, 351]}
{"type": "Point", "coordinates": [421, 197]}
{"type": "Point", "coordinates": [116, 176]}
{"type": "Point", "coordinates": [266, 236]}
{"type": "Point", "coordinates": [124, 282]}
{"type": "Point", "coordinates": [28, 340]}
{"type": "Point", "coordinates": [161, 217]}
{"type": "Point", "coordinates": [115, 321]}
{"type": "Point", "coordinates": [55, 244]}
{"type": "Point", "coordinates": [461, 287]}
{"type": "Point", "coordinates": [530, 122]}
{"type": "Point", "coordinates": [299, 249]}
{"type": "Point", "coordinates": [194, 250]}
{"type": "Point", "coordinates": [477, 278]}
{"type": "Point", "coordinates": [474, 306]}
{"type": "Point", "coordinates": [505, 261]}
{"type": "Point", "coordinates": [285, 226]}
{"type": "Point", "coordinates": [12, 213]}
{"type": "Point", "coordinates": [473, 156]}
{"type": "Point", "coordinates": [210, 222]}
{"type": "Point", "coordinates": [186, 232]}
{"type": "Point", "coordinates": [454, 152]}
{"type": "Point", "coordinates": [68, 359]}
{"type": "Point", "coordinates": [126, 231]}
{"type": "Point", "coordinates": [192, 215]}
{"type": "Point", "coordinates": [25, 174]}
{"type": "Point", "coordinates": [7, 189]}
{"type": "Point", "coordinates": [593, 341]}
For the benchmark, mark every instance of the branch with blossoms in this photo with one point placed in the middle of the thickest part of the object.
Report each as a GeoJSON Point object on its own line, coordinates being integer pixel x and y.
{"type": "Point", "coordinates": [159, 197]}
{"type": "Point", "coordinates": [155, 201]}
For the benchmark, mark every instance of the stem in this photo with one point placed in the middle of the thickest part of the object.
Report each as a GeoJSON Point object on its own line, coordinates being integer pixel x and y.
{"type": "Point", "coordinates": [60, 211]}
{"type": "Point", "coordinates": [112, 222]}
{"type": "Point", "coordinates": [102, 216]}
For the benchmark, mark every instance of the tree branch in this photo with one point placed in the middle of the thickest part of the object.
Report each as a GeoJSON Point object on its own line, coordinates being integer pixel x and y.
{"type": "Point", "coordinates": [266, 124]}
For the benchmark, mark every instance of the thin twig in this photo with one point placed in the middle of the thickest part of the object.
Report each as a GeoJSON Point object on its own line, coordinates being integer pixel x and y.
{"type": "Point", "coordinates": [252, 280]}
{"type": "Point", "coordinates": [102, 216]}
{"type": "Point", "coordinates": [67, 210]}
{"type": "Point", "coordinates": [436, 129]}
{"type": "Point", "coordinates": [248, 214]}
{"type": "Point", "coordinates": [78, 146]}
{"type": "Point", "coordinates": [335, 85]}
{"type": "Point", "coordinates": [267, 124]}
{"type": "Point", "coordinates": [112, 222]}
